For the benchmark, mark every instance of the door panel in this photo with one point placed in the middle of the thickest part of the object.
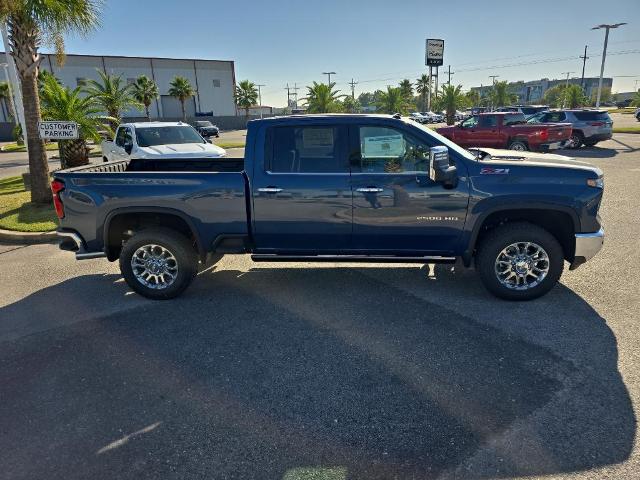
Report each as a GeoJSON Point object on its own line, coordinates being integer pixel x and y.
{"type": "Point", "coordinates": [396, 207]}
{"type": "Point", "coordinates": [301, 190]}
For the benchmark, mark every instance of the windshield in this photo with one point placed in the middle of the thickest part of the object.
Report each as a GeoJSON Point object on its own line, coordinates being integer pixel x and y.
{"type": "Point", "coordinates": [173, 134]}
{"type": "Point", "coordinates": [444, 141]}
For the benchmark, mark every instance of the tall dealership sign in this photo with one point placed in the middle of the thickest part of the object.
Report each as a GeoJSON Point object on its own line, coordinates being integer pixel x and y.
{"type": "Point", "coordinates": [433, 57]}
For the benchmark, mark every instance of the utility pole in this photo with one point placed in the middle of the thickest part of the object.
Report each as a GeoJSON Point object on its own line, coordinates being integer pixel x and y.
{"type": "Point", "coordinates": [288, 94]}
{"type": "Point", "coordinates": [429, 89]}
{"type": "Point", "coordinates": [450, 73]}
{"type": "Point", "coordinates": [436, 89]}
{"type": "Point", "coordinates": [353, 88]}
{"type": "Point", "coordinates": [604, 54]}
{"type": "Point", "coordinates": [295, 94]}
{"type": "Point", "coordinates": [260, 98]}
{"type": "Point", "coordinates": [566, 87]}
{"type": "Point", "coordinates": [328, 74]}
{"type": "Point", "coordinates": [584, 63]}
{"type": "Point", "coordinates": [493, 82]}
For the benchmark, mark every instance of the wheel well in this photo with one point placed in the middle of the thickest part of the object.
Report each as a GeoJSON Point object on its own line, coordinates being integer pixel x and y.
{"type": "Point", "coordinates": [558, 224]}
{"type": "Point", "coordinates": [123, 226]}
{"type": "Point", "coordinates": [518, 139]}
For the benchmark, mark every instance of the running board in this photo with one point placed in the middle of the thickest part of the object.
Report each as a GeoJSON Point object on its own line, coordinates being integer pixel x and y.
{"type": "Point", "coordinates": [349, 258]}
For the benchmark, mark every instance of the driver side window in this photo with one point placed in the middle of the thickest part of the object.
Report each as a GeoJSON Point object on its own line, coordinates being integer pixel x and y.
{"type": "Point", "coordinates": [387, 150]}
{"type": "Point", "coordinates": [120, 137]}
{"type": "Point", "coordinates": [470, 122]}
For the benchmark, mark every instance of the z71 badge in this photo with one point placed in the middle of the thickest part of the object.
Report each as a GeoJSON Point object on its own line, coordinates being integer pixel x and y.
{"type": "Point", "coordinates": [494, 171]}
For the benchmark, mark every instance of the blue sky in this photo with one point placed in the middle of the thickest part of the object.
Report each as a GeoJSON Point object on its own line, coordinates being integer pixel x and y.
{"type": "Point", "coordinates": [375, 42]}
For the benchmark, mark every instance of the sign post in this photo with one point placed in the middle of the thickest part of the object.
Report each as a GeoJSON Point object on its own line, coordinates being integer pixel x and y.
{"type": "Point", "coordinates": [433, 57]}
{"type": "Point", "coordinates": [58, 130]}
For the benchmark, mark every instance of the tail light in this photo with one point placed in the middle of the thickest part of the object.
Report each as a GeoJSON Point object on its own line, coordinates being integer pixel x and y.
{"type": "Point", "coordinates": [596, 124]}
{"type": "Point", "coordinates": [56, 187]}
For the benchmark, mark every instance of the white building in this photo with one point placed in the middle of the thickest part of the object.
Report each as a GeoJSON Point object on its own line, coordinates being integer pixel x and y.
{"type": "Point", "coordinates": [213, 80]}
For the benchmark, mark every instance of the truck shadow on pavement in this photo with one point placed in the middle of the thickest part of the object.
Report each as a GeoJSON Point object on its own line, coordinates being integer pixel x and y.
{"type": "Point", "coordinates": [333, 372]}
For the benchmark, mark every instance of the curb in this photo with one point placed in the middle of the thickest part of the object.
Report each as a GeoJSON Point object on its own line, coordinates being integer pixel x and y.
{"type": "Point", "coordinates": [27, 238]}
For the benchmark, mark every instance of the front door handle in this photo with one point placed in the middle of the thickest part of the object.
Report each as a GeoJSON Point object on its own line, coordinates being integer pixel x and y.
{"type": "Point", "coordinates": [270, 190]}
{"type": "Point", "coordinates": [370, 190]}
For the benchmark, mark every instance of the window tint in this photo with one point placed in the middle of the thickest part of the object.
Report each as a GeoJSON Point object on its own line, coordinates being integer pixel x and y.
{"type": "Point", "coordinates": [387, 150]}
{"type": "Point", "coordinates": [122, 136]}
{"type": "Point", "coordinates": [470, 122]}
{"type": "Point", "coordinates": [554, 117]}
{"type": "Point", "coordinates": [514, 119]}
{"type": "Point", "coordinates": [306, 150]}
{"type": "Point", "coordinates": [487, 121]}
{"type": "Point", "coordinates": [590, 116]}
{"type": "Point", "coordinates": [169, 135]}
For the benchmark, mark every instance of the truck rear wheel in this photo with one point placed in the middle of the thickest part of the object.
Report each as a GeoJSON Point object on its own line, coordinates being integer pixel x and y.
{"type": "Point", "coordinates": [158, 263]}
{"type": "Point", "coordinates": [518, 145]}
{"type": "Point", "coordinates": [519, 261]}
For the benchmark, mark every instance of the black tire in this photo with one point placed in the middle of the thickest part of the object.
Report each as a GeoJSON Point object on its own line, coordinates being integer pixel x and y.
{"type": "Point", "coordinates": [590, 144]}
{"type": "Point", "coordinates": [499, 239]}
{"type": "Point", "coordinates": [576, 140]}
{"type": "Point", "coordinates": [518, 145]}
{"type": "Point", "coordinates": [181, 249]}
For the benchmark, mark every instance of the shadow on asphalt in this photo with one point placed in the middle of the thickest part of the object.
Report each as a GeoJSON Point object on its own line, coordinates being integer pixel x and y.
{"type": "Point", "coordinates": [272, 372]}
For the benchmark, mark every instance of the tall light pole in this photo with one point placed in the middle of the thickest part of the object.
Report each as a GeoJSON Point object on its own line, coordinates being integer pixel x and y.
{"type": "Point", "coordinates": [260, 98]}
{"type": "Point", "coordinates": [328, 74]}
{"type": "Point", "coordinates": [604, 54]}
{"type": "Point", "coordinates": [493, 83]}
{"type": "Point", "coordinates": [566, 87]}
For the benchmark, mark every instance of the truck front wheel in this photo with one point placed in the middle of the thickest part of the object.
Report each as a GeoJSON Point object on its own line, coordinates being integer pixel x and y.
{"type": "Point", "coordinates": [519, 261]}
{"type": "Point", "coordinates": [158, 263]}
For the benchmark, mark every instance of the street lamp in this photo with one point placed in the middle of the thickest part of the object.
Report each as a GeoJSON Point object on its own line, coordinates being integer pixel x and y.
{"type": "Point", "coordinates": [604, 54]}
{"type": "Point", "coordinates": [329, 75]}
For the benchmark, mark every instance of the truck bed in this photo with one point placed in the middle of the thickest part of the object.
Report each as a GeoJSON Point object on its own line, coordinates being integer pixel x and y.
{"type": "Point", "coordinates": [210, 194]}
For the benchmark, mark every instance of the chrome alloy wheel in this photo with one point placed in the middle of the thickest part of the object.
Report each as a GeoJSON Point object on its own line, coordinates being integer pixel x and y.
{"type": "Point", "coordinates": [154, 266]}
{"type": "Point", "coordinates": [522, 265]}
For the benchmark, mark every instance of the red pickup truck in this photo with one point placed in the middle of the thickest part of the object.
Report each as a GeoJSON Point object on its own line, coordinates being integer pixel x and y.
{"type": "Point", "coordinates": [507, 130]}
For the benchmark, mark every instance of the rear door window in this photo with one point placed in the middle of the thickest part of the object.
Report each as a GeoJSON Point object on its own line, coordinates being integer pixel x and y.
{"type": "Point", "coordinates": [553, 117]}
{"type": "Point", "coordinates": [588, 116]}
{"type": "Point", "coordinates": [487, 121]}
{"type": "Point", "coordinates": [312, 149]}
{"type": "Point", "coordinates": [514, 119]}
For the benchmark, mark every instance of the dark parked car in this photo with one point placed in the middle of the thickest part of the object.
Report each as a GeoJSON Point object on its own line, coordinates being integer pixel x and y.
{"type": "Point", "coordinates": [206, 128]}
{"type": "Point", "coordinates": [589, 126]}
{"type": "Point", "coordinates": [337, 188]}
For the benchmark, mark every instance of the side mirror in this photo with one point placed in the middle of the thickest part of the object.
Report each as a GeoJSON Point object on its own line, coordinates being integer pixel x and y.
{"type": "Point", "coordinates": [439, 169]}
{"type": "Point", "coordinates": [128, 146]}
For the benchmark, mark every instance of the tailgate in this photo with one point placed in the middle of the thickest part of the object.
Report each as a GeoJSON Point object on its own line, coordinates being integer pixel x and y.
{"type": "Point", "coordinates": [559, 131]}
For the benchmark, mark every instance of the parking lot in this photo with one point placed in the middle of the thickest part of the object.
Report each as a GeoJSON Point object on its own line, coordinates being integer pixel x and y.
{"type": "Point", "coordinates": [299, 371]}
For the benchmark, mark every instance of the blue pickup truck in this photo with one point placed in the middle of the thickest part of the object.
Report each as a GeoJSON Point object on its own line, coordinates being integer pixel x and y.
{"type": "Point", "coordinates": [338, 188]}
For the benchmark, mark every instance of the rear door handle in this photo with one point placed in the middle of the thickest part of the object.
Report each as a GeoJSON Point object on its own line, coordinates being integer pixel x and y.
{"type": "Point", "coordinates": [370, 190]}
{"type": "Point", "coordinates": [269, 190]}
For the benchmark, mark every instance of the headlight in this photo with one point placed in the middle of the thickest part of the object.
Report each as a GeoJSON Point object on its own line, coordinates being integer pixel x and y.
{"type": "Point", "coordinates": [596, 182]}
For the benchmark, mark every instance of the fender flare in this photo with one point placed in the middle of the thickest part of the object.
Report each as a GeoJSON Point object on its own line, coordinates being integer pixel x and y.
{"type": "Point", "coordinates": [163, 210]}
{"type": "Point", "coordinates": [475, 232]}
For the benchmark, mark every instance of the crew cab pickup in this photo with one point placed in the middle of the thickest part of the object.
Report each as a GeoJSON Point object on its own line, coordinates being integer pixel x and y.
{"type": "Point", "coordinates": [158, 140]}
{"type": "Point", "coordinates": [339, 188]}
{"type": "Point", "coordinates": [507, 130]}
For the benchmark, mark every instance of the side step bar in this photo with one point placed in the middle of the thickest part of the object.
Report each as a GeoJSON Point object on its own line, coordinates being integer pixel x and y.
{"type": "Point", "coordinates": [349, 258]}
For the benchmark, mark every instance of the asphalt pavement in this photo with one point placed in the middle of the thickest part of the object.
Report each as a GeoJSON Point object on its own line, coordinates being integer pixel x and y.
{"type": "Point", "coordinates": [299, 371]}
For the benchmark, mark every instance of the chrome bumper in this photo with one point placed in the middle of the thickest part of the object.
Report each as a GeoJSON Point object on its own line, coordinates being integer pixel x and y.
{"type": "Point", "coordinates": [587, 246]}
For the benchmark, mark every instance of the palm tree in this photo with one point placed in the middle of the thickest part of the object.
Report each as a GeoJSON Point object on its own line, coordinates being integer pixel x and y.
{"type": "Point", "coordinates": [452, 100]}
{"type": "Point", "coordinates": [29, 22]}
{"type": "Point", "coordinates": [145, 91]}
{"type": "Point", "coordinates": [180, 88]}
{"type": "Point", "coordinates": [62, 103]}
{"type": "Point", "coordinates": [500, 94]}
{"type": "Point", "coordinates": [246, 96]}
{"type": "Point", "coordinates": [407, 89]}
{"type": "Point", "coordinates": [113, 94]}
{"type": "Point", "coordinates": [322, 98]}
{"type": "Point", "coordinates": [473, 98]}
{"type": "Point", "coordinates": [392, 101]}
{"type": "Point", "coordinates": [423, 84]}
